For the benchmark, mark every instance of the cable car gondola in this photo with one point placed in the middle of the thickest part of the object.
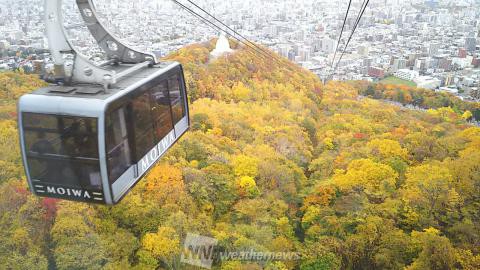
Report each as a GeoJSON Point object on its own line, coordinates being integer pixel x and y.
{"type": "Point", "coordinates": [92, 137]}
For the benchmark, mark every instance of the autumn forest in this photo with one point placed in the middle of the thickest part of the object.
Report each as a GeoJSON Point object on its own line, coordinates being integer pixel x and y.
{"type": "Point", "coordinates": [345, 174]}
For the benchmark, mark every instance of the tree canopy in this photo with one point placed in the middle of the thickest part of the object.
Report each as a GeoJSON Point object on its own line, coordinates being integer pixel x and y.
{"type": "Point", "coordinates": [275, 161]}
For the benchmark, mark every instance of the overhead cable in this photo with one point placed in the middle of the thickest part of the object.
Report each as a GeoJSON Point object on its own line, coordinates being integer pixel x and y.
{"type": "Point", "coordinates": [341, 32]}
{"type": "Point", "coordinates": [357, 22]}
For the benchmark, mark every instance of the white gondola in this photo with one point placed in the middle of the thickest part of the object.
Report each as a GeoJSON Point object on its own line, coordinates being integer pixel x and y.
{"type": "Point", "coordinates": [94, 137]}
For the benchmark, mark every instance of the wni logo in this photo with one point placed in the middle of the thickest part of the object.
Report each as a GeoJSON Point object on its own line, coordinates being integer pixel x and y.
{"type": "Point", "coordinates": [199, 251]}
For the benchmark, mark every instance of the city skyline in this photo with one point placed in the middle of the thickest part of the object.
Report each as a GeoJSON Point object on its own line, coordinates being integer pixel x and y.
{"type": "Point", "coordinates": [432, 42]}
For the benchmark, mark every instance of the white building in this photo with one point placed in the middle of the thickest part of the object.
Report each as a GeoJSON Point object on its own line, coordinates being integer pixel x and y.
{"type": "Point", "coordinates": [328, 45]}
{"type": "Point", "coordinates": [283, 50]}
{"type": "Point", "coordinates": [398, 64]}
{"type": "Point", "coordinates": [222, 47]}
{"type": "Point", "coordinates": [427, 82]}
{"type": "Point", "coordinates": [449, 90]}
{"type": "Point", "coordinates": [305, 53]}
{"type": "Point", "coordinates": [406, 74]}
{"type": "Point", "coordinates": [462, 62]}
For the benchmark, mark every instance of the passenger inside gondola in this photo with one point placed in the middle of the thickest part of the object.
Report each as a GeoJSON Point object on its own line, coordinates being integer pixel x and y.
{"type": "Point", "coordinates": [63, 150]}
{"type": "Point", "coordinates": [42, 146]}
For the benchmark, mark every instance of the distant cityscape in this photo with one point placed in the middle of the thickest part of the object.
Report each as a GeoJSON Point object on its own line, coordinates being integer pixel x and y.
{"type": "Point", "coordinates": [431, 44]}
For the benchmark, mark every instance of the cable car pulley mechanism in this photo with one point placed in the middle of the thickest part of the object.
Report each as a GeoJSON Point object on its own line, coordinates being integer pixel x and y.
{"type": "Point", "coordinates": [73, 67]}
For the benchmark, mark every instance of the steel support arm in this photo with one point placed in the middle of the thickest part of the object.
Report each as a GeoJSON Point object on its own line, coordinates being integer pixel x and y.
{"type": "Point", "coordinates": [76, 67]}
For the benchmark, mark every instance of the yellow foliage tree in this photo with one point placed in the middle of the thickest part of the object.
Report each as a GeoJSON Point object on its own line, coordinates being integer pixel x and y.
{"type": "Point", "coordinates": [245, 166]}
{"type": "Point", "coordinates": [9, 142]}
{"type": "Point", "coordinates": [375, 178]}
{"type": "Point", "coordinates": [240, 92]}
{"type": "Point", "coordinates": [164, 245]}
{"type": "Point", "coordinates": [328, 143]}
{"type": "Point", "coordinates": [323, 196]}
{"type": "Point", "coordinates": [165, 184]}
{"type": "Point", "coordinates": [467, 115]}
{"type": "Point", "coordinates": [247, 187]}
{"type": "Point", "coordinates": [467, 259]}
{"type": "Point", "coordinates": [436, 251]}
{"type": "Point", "coordinates": [387, 148]}
{"type": "Point", "coordinates": [428, 187]}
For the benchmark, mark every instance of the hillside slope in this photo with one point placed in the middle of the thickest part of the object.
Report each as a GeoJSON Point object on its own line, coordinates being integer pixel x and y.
{"type": "Point", "coordinates": [275, 161]}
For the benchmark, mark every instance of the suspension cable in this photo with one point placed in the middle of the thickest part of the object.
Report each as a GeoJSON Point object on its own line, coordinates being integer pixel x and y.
{"type": "Point", "coordinates": [359, 17]}
{"type": "Point", "coordinates": [341, 32]}
{"type": "Point", "coordinates": [229, 28]}
{"type": "Point", "coordinates": [205, 20]}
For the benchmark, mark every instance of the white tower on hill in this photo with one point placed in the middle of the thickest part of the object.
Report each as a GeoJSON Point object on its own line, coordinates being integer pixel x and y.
{"type": "Point", "coordinates": [222, 47]}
